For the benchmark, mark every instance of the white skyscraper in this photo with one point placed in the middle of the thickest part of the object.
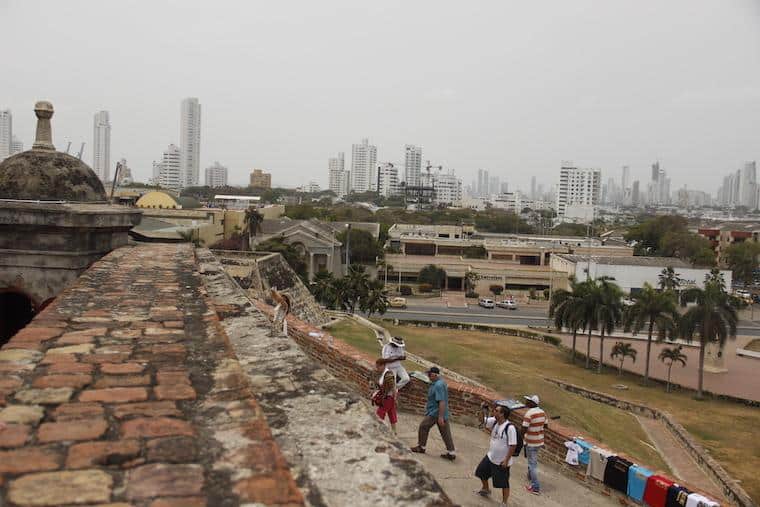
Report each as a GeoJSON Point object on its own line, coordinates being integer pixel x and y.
{"type": "Point", "coordinates": [412, 165]}
{"type": "Point", "coordinates": [387, 180]}
{"type": "Point", "coordinates": [448, 189]}
{"type": "Point", "coordinates": [363, 166]}
{"type": "Point", "coordinates": [6, 133]}
{"type": "Point", "coordinates": [101, 146]}
{"type": "Point", "coordinates": [336, 167]}
{"type": "Point", "coordinates": [579, 189]}
{"type": "Point", "coordinates": [216, 175]}
{"type": "Point", "coordinates": [169, 168]}
{"type": "Point", "coordinates": [625, 180]}
{"type": "Point", "coordinates": [190, 141]}
{"type": "Point", "coordinates": [17, 145]}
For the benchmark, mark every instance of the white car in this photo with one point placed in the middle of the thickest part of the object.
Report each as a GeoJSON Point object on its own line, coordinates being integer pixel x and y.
{"type": "Point", "coordinates": [509, 304]}
{"type": "Point", "coordinates": [486, 303]}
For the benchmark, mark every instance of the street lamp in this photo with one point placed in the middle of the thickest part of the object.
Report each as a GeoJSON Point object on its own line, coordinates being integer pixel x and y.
{"type": "Point", "coordinates": [348, 246]}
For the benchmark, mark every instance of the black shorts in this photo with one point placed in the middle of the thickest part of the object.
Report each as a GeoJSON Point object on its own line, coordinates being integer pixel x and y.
{"type": "Point", "coordinates": [488, 470]}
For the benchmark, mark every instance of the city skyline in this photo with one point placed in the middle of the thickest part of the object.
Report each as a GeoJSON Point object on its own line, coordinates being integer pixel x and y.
{"type": "Point", "coordinates": [514, 119]}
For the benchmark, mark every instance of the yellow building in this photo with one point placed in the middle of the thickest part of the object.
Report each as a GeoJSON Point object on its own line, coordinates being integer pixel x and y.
{"type": "Point", "coordinates": [158, 199]}
{"type": "Point", "coordinates": [260, 179]}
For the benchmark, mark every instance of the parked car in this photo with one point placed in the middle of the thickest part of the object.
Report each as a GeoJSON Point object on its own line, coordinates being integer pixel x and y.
{"type": "Point", "coordinates": [628, 301]}
{"type": "Point", "coordinates": [397, 302]}
{"type": "Point", "coordinates": [509, 304]}
{"type": "Point", "coordinates": [486, 303]}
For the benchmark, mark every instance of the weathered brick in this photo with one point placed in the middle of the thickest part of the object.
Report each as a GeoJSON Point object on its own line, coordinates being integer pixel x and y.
{"type": "Point", "coordinates": [22, 414]}
{"type": "Point", "coordinates": [69, 367]}
{"type": "Point", "coordinates": [121, 368]}
{"type": "Point", "coordinates": [74, 411]}
{"type": "Point", "coordinates": [174, 324]}
{"type": "Point", "coordinates": [91, 454]}
{"type": "Point", "coordinates": [60, 488]}
{"type": "Point", "coordinates": [172, 450]}
{"type": "Point", "coordinates": [173, 377]}
{"type": "Point", "coordinates": [37, 334]}
{"type": "Point", "coordinates": [196, 501]}
{"type": "Point", "coordinates": [14, 435]}
{"type": "Point", "coordinates": [76, 380]}
{"type": "Point", "coordinates": [81, 429]}
{"type": "Point", "coordinates": [146, 409]}
{"type": "Point", "coordinates": [45, 396]}
{"type": "Point", "coordinates": [105, 358]}
{"type": "Point", "coordinates": [155, 427]}
{"type": "Point", "coordinates": [115, 394]}
{"type": "Point", "coordinates": [275, 488]}
{"type": "Point", "coordinates": [150, 481]}
{"type": "Point", "coordinates": [29, 459]}
{"type": "Point", "coordinates": [174, 392]}
{"type": "Point", "coordinates": [122, 380]}
{"type": "Point", "coordinates": [84, 348]}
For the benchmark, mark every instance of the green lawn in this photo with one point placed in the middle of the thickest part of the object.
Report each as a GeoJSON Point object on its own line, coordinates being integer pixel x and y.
{"type": "Point", "coordinates": [508, 365]}
{"type": "Point", "coordinates": [514, 366]}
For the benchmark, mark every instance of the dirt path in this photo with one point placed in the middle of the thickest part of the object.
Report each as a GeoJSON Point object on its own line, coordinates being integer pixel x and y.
{"type": "Point", "coordinates": [458, 481]}
{"type": "Point", "coordinates": [679, 461]}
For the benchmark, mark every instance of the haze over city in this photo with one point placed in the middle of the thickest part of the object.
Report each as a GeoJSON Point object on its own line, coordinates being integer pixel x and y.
{"type": "Point", "coordinates": [508, 87]}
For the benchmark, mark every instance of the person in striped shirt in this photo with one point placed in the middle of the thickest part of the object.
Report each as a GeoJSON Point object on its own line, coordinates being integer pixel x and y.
{"type": "Point", "coordinates": [534, 423]}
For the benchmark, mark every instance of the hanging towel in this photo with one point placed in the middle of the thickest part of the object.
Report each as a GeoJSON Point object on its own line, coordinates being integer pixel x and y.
{"type": "Point", "coordinates": [656, 492]}
{"type": "Point", "coordinates": [616, 473]}
{"type": "Point", "coordinates": [697, 500]}
{"type": "Point", "coordinates": [573, 450]}
{"type": "Point", "coordinates": [637, 482]}
{"type": "Point", "coordinates": [583, 456]}
{"type": "Point", "coordinates": [597, 463]}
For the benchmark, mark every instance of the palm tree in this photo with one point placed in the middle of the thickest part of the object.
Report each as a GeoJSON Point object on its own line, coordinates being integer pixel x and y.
{"type": "Point", "coordinates": [470, 279]}
{"type": "Point", "coordinates": [376, 299]}
{"type": "Point", "coordinates": [669, 280]}
{"type": "Point", "coordinates": [622, 350]}
{"type": "Point", "coordinates": [672, 355]}
{"type": "Point", "coordinates": [653, 309]}
{"type": "Point", "coordinates": [713, 318]}
{"type": "Point", "coordinates": [357, 285]}
{"type": "Point", "coordinates": [584, 311]}
{"type": "Point", "coordinates": [323, 288]}
{"type": "Point", "coordinates": [609, 311]}
{"type": "Point", "coordinates": [252, 224]}
{"type": "Point", "coordinates": [563, 307]}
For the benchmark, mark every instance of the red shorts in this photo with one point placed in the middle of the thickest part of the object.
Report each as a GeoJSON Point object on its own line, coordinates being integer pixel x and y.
{"type": "Point", "coordinates": [388, 407]}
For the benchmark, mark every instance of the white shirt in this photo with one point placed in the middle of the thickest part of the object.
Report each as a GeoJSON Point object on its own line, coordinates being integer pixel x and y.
{"type": "Point", "coordinates": [573, 450]}
{"type": "Point", "coordinates": [391, 351]}
{"type": "Point", "coordinates": [502, 436]}
{"type": "Point", "coordinates": [697, 500]}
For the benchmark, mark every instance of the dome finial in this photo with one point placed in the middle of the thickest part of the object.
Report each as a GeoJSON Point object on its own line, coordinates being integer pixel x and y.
{"type": "Point", "coordinates": [44, 139]}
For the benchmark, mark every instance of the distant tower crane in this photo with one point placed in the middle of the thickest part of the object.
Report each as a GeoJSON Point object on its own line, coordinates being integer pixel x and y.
{"type": "Point", "coordinates": [68, 148]}
{"type": "Point", "coordinates": [81, 150]}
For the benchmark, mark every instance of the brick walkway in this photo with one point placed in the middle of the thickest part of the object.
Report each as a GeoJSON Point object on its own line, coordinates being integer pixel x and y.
{"type": "Point", "coordinates": [125, 392]}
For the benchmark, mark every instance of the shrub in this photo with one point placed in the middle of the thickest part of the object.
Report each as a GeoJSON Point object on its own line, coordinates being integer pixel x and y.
{"type": "Point", "coordinates": [472, 294]}
{"type": "Point", "coordinates": [552, 340]}
{"type": "Point", "coordinates": [532, 293]}
{"type": "Point", "coordinates": [546, 294]}
{"type": "Point", "coordinates": [432, 275]}
{"type": "Point", "coordinates": [426, 287]}
{"type": "Point", "coordinates": [405, 290]}
{"type": "Point", "coordinates": [496, 289]}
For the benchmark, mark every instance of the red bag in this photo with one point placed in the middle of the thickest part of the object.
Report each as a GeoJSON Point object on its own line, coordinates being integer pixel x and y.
{"type": "Point", "coordinates": [377, 397]}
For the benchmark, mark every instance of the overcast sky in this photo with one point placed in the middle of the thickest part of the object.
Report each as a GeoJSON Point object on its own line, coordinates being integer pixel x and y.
{"type": "Point", "coordinates": [512, 87]}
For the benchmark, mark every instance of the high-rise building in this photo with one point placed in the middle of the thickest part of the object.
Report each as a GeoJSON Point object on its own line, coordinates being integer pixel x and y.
{"type": "Point", "coordinates": [101, 145]}
{"type": "Point", "coordinates": [635, 195]}
{"type": "Point", "coordinates": [493, 186]}
{"type": "Point", "coordinates": [579, 188]}
{"type": "Point", "coordinates": [17, 145]}
{"type": "Point", "coordinates": [124, 177]}
{"type": "Point", "coordinates": [216, 175]}
{"type": "Point", "coordinates": [448, 189]}
{"type": "Point", "coordinates": [387, 180]}
{"type": "Point", "coordinates": [260, 179]}
{"type": "Point", "coordinates": [169, 169]}
{"type": "Point", "coordinates": [190, 141]}
{"type": "Point", "coordinates": [412, 165]}
{"type": "Point", "coordinates": [748, 186]}
{"type": "Point", "coordinates": [625, 179]}
{"type": "Point", "coordinates": [659, 187]}
{"type": "Point", "coordinates": [533, 194]}
{"type": "Point", "coordinates": [483, 181]}
{"type": "Point", "coordinates": [363, 166]}
{"type": "Point", "coordinates": [336, 167]}
{"type": "Point", "coordinates": [6, 133]}
{"type": "Point", "coordinates": [504, 188]}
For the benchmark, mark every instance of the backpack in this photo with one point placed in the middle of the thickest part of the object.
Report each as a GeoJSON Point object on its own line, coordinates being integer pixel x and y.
{"type": "Point", "coordinates": [520, 442]}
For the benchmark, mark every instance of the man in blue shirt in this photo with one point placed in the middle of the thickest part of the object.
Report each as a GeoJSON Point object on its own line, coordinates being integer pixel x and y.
{"type": "Point", "coordinates": [436, 412]}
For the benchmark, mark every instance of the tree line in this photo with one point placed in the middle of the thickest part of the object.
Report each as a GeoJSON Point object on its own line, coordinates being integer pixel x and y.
{"type": "Point", "coordinates": [597, 305]}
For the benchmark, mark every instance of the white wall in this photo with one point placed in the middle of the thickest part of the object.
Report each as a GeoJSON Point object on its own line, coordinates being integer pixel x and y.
{"type": "Point", "coordinates": [634, 277]}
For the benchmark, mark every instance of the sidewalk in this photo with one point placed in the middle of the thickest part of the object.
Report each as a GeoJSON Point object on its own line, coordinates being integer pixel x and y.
{"type": "Point", "coordinates": [459, 483]}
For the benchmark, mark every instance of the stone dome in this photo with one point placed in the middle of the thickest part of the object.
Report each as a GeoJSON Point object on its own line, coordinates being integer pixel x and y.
{"type": "Point", "coordinates": [45, 174]}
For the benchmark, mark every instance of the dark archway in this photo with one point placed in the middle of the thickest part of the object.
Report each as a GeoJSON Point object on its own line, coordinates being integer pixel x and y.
{"type": "Point", "coordinates": [16, 311]}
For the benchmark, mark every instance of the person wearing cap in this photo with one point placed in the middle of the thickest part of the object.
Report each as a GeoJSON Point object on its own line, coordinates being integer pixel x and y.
{"type": "Point", "coordinates": [436, 412]}
{"type": "Point", "coordinates": [393, 353]}
{"type": "Point", "coordinates": [534, 423]}
{"type": "Point", "coordinates": [496, 464]}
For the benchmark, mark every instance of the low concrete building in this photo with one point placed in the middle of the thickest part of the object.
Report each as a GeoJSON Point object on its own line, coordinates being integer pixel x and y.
{"type": "Point", "coordinates": [630, 273]}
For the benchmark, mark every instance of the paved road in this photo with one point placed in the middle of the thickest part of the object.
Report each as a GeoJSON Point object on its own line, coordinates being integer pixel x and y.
{"type": "Point", "coordinates": [523, 316]}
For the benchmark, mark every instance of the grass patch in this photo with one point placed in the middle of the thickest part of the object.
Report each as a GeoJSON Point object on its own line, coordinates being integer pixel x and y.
{"type": "Point", "coordinates": [364, 339]}
{"type": "Point", "coordinates": [754, 345]}
{"type": "Point", "coordinates": [515, 366]}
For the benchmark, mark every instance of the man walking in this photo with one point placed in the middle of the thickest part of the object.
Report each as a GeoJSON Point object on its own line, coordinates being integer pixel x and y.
{"type": "Point", "coordinates": [436, 412]}
{"type": "Point", "coordinates": [393, 353]}
{"type": "Point", "coordinates": [496, 463]}
{"type": "Point", "coordinates": [534, 423]}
